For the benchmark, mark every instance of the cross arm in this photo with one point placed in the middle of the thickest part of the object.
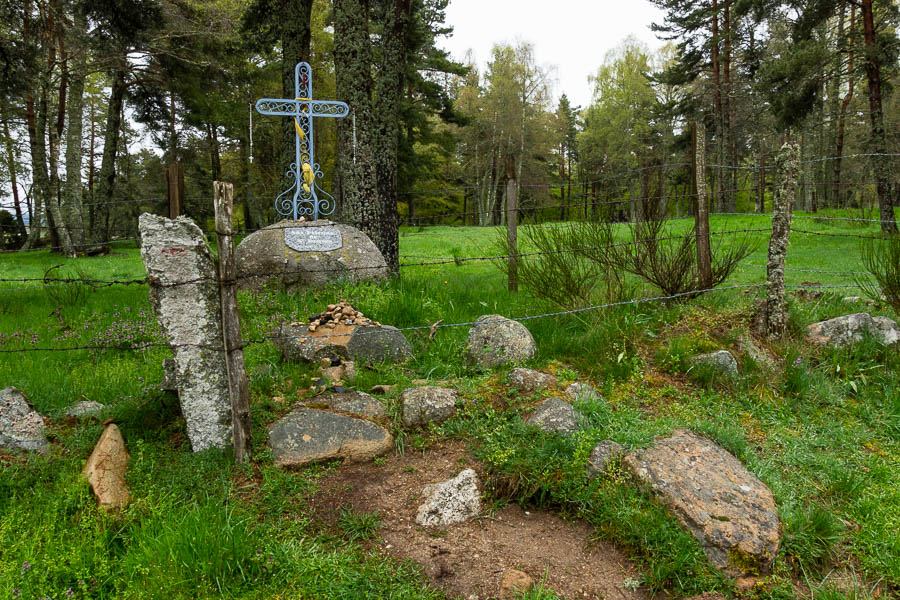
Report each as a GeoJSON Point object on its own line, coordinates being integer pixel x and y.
{"type": "Point", "coordinates": [279, 107]}
{"type": "Point", "coordinates": [329, 108]}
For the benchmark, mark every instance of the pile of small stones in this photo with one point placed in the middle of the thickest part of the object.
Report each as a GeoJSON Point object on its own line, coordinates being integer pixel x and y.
{"type": "Point", "coordinates": [342, 312]}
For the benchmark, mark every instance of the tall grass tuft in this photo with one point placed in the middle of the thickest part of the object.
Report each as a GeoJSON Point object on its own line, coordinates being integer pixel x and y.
{"type": "Point", "coordinates": [881, 258]}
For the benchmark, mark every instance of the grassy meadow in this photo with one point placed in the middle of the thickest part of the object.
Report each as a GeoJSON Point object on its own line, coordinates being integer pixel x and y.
{"type": "Point", "coordinates": [822, 430]}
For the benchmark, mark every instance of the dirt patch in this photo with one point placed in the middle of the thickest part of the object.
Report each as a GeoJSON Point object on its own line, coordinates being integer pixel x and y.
{"type": "Point", "coordinates": [469, 560]}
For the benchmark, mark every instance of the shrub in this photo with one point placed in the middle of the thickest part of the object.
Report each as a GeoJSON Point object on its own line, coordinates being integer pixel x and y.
{"type": "Point", "coordinates": [881, 258]}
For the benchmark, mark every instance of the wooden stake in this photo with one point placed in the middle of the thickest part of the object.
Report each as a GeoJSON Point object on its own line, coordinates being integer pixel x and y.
{"type": "Point", "coordinates": [175, 189]}
{"type": "Point", "coordinates": [701, 227]}
{"type": "Point", "coordinates": [512, 225]}
{"type": "Point", "coordinates": [231, 324]}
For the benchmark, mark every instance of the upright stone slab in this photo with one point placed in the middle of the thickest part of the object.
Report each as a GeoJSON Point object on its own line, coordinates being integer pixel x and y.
{"type": "Point", "coordinates": [730, 512]}
{"type": "Point", "coordinates": [185, 297]}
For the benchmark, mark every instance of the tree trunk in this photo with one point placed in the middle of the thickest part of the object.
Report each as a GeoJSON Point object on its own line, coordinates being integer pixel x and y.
{"type": "Point", "coordinates": [353, 63]}
{"type": "Point", "coordinates": [837, 193]}
{"type": "Point", "coordinates": [107, 178]}
{"type": "Point", "coordinates": [729, 113]}
{"type": "Point", "coordinates": [294, 18]}
{"type": "Point", "coordinates": [71, 203]}
{"type": "Point", "coordinates": [719, 193]}
{"type": "Point", "coordinates": [389, 87]}
{"type": "Point", "coordinates": [13, 177]}
{"type": "Point", "coordinates": [876, 116]}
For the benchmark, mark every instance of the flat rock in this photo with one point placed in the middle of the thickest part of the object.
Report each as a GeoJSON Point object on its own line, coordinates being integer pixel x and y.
{"type": "Point", "coordinates": [712, 495]}
{"type": "Point", "coordinates": [105, 469]}
{"type": "Point", "coordinates": [428, 404]}
{"type": "Point", "coordinates": [352, 402]}
{"type": "Point", "coordinates": [452, 501]}
{"type": "Point", "coordinates": [308, 435]}
{"type": "Point", "coordinates": [722, 362]}
{"type": "Point", "coordinates": [495, 340]}
{"type": "Point", "coordinates": [85, 408]}
{"type": "Point", "coordinates": [263, 258]}
{"type": "Point", "coordinates": [514, 583]}
{"type": "Point", "coordinates": [555, 416]}
{"type": "Point", "coordinates": [582, 391]}
{"type": "Point", "coordinates": [601, 455]}
{"type": "Point", "coordinates": [360, 343]}
{"type": "Point", "coordinates": [528, 381]}
{"type": "Point", "coordinates": [851, 329]}
{"type": "Point", "coordinates": [21, 427]}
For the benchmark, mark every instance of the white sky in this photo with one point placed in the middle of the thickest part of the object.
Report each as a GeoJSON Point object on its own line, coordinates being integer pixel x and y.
{"type": "Point", "coordinates": [570, 35]}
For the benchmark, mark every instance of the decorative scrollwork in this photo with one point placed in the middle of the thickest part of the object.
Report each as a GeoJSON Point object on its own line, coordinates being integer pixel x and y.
{"type": "Point", "coordinates": [303, 109]}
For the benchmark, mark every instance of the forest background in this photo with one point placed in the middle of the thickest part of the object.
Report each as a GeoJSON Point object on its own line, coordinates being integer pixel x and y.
{"type": "Point", "coordinates": [432, 140]}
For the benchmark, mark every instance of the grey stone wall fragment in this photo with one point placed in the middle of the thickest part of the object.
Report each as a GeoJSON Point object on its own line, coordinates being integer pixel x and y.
{"type": "Point", "coordinates": [186, 300]}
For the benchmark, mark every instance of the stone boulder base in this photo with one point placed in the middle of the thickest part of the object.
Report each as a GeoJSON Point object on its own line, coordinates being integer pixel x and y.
{"type": "Point", "coordinates": [105, 469]}
{"type": "Point", "coordinates": [452, 501]}
{"type": "Point", "coordinates": [529, 381]}
{"type": "Point", "coordinates": [428, 404]}
{"type": "Point", "coordinates": [722, 362]}
{"type": "Point", "coordinates": [729, 511]}
{"type": "Point", "coordinates": [263, 259]}
{"type": "Point", "coordinates": [356, 403]}
{"type": "Point", "coordinates": [555, 416]}
{"type": "Point", "coordinates": [21, 428]}
{"type": "Point", "coordinates": [308, 435]}
{"type": "Point", "coordinates": [851, 329]}
{"type": "Point", "coordinates": [495, 340]}
{"type": "Point", "coordinates": [360, 343]}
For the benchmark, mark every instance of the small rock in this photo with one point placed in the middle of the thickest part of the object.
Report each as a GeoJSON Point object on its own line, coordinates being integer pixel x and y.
{"type": "Point", "coordinates": [851, 329]}
{"type": "Point", "coordinates": [21, 428]}
{"type": "Point", "coordinates": [452, 501]}
{"type": "Point", "coordinates": [307, 435]}
{"type": "Point", "coordinates": [714, 497]}
{"type": "Point", "coordinates": [495, 340]}
{"type": "Point", "coordinates": [84, 408]}
{"type": "Point", "coordinates": [105, 469]}
{"type": "Point", "coordinates": [337, 374]}
{"type": "Point", "coordinates": [722, 362]}
{"type": "Point", "coordinates": [428, 404]}
{"type": "Point", "coordinates": [887, 331]}
{"type": "Point", "coordinates": [354, 403]}
{"type": "Point", "coordinates": [382, 389]}
{"type": "Point", "coordinates": [367, 344]}
{"type": "Point", "coordinates": [555, 416]}
{"type": "Point", "coordinates": [756, 354]}
{"type": "Point", "coordinates": [514, 583]}
{"type": "Point", "coordinates": [582, 391]}
{"type": "Point", "coordinates": [528, 381]}
{"type": "Point", "coordinates": [601, 456]}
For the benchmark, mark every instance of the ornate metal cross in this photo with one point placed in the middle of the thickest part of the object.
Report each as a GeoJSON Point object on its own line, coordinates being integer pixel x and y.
{"type": "Point", "coordinates": [305, 199]}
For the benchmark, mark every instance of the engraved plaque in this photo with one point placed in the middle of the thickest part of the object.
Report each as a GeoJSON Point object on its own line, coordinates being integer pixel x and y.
{"type": "Point", "coordinates": [313, 239]}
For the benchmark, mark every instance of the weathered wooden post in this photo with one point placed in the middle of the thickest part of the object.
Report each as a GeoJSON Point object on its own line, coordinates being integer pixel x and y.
{"type": "Point", "coordinates": [701, 227]}
{"type": "Point", "coordinates": [175, 189]}
{"type": "Point", "coordinates": [231, 325]}
{"type": "Point", "coordinates": [788, 166]}
{"type": "Point", "coordinates": [512, 224]}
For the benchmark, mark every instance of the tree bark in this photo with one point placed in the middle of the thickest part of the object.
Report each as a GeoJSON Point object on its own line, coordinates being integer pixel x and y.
{"type": "Point", "coordinates": [294, 17]}
{"type": "Point", "coordinates": [71, 197]}
{"type": "Point", "coordinates": [13, 176]}
{"type": "Point", "coordinates": [359, 178]}
{"type": "Point", "coordinates": [876, 116]}
{"type": "Point", "coordinates": [389, 87]}
{"type": "Point", "coordinates": [107, 177]}
{"type": "Point", "coordinates": [701, 228]}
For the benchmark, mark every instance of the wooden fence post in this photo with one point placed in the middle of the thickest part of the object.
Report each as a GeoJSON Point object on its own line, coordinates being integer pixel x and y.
{"type": "Point", "coordinates": [231, 324]}
{"type": "Point", "coordinates": [175, 189]}
{"type": "Point", "coordinates": [512, 225]}
{"type": "Point", "coordinates": [782, 206]}
{"type": "Point", "coordinates": [701, 227]}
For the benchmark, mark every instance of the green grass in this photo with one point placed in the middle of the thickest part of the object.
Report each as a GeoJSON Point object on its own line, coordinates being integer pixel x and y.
{"type": "Point", "coordinates": [823, 432]}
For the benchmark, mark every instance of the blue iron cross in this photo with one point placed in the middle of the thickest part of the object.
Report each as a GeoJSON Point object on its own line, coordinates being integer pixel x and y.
{"type": "Point", "coordinates": [305, 199]}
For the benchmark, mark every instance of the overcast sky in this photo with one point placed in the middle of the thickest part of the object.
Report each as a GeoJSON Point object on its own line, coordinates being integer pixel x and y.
{"type": "Point", "coordinates": [571, 35]}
